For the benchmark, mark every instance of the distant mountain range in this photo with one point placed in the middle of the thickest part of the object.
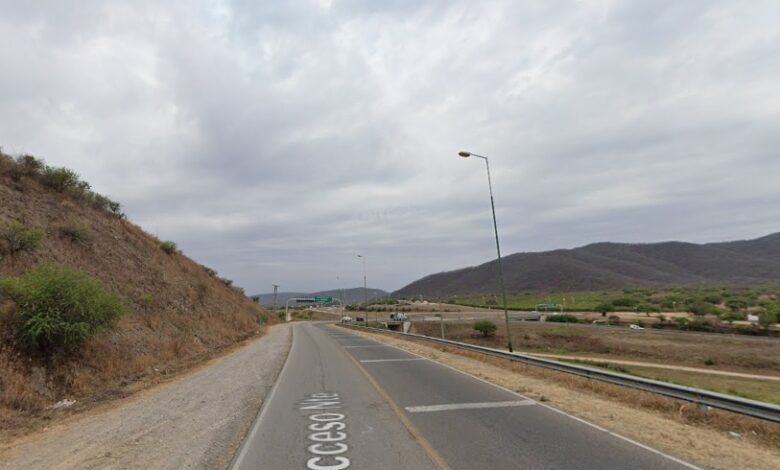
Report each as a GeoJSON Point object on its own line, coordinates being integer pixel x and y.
{"type": "Point", "coordinates": [602, 266]}
{"type": "Point", "coordinates": [354, 295]}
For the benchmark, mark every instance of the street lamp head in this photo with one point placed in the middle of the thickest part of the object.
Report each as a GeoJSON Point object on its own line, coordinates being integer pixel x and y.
{"type": "Point", "coordinates": [464, 154]}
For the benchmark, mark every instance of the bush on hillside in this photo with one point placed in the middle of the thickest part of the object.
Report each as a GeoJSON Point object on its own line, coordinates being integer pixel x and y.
{"type": "Point", "coordinates": [58, 308]}
{"type": "Point", "coordinates": [77, 233]}
{"type": "Point", "coordinates": [59, 179]}
{"type": "Point", "coordinates": [27, 165]}
{"type": "Point", "coordinates": [62, 179]}
{"type": "Point", "coordinates": [168, 247]}
{"type": "Point", "coordinates": [486, 327]}
{"type": "Point", "coordinates": [16, 238]}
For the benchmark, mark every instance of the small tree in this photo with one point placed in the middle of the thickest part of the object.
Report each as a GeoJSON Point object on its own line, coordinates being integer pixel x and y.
{"type": "Point", "coordinates": [486, 327]}
{"type": "Point", "coordinates": [768, 317]}
{"type": "Point", "coordinates": [605, 308]}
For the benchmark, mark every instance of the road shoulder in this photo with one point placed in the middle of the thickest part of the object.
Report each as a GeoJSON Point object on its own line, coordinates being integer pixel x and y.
{"type": "Point", "coordinates": [196, 421]}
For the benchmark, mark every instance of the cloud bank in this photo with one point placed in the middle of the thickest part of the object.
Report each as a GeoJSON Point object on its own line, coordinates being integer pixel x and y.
{"type": "Point", "coordinates": [274, 141]}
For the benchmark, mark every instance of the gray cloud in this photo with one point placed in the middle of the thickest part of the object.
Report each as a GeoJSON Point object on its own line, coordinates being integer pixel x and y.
{"type": "Point", "coordinates": [275, 140]}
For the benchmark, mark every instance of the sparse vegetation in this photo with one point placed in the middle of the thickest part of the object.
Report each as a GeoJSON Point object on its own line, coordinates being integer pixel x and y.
{"type": "Point", "coordinates": [17, 238]}
{"type": "Point", "coordinates": [169, 247]}
{"type": "Point", "coordinates": [59, 179]}
{"type": "Point", "coordinates": [179, 316]}
{"type": "Point", "coordinates": [58, 308]}
{"type": "Point", "coordinates": [77, 233]}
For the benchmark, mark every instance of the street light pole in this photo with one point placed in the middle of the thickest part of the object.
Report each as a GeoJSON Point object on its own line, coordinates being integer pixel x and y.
{"type": "Point", "coordinates": [365, 290]}
{"type": "Point", "coordinates": [498, 246]}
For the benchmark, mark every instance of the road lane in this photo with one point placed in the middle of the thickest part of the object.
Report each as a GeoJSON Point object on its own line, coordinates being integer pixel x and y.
{"type": "Point", "coordinates": [322, 404]}
{"type": "Point", "coordinates": [403, 411]}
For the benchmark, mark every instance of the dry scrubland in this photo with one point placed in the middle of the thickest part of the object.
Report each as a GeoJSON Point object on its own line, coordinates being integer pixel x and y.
{"type": "Point", "coordinates": [177, 312]}
{"type": "Point", "coordinates": [736, 353]}
{"type": "Point", "coordinates": [675, 427]}
{"type": "Point", "coordinates": [741, 354]}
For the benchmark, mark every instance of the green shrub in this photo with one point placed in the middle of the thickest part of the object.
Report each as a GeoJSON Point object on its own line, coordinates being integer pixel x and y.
{"type": "Point", "coordinates": [768, 317]}
{"type": "Point", "coordinates": [168, 247]}
{"type": "Point", "coordinates": [647, 308]}
{"type": "Point", "coordinates": [702, 308]}
{"type": "Point", "coordinates": [613, 320]}
{"type": "Point", "coordinates": [62, 179]}
{"type": "Point", "coordinates": [58, 308]}
{"type": "Point", "coordinates": [605, 308]}
{"type": "Point", "coordinates": [735, 304]}
{"type": "Point", "coordinates": [16, 238]}
{"type": "Point", "coordinates": [77, 233]}
{"type": "Point", "coordinates": [625, 302]}
{"type": "Point", "coordinates": [562, 319]}
{"type": "Point", "coordinates": [733, 316]}
{"type": "Point", "coordinates": [486, 327]}
{"type": "Point", "coordinates": [27, 165]}
{"type": "Point", "coordinates": [712, 299]}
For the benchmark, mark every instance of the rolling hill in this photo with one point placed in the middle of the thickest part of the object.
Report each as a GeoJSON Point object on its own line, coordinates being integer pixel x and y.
{"type": "Point", "coordinates": [613, 266]}
{"type": "Point", "coordinates": [353, 295]}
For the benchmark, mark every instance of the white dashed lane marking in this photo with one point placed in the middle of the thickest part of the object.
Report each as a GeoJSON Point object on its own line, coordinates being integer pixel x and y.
{"type": "Point", "coordinates": [468, 406]}
{"type": "Point", "coordinates": [395, 360]}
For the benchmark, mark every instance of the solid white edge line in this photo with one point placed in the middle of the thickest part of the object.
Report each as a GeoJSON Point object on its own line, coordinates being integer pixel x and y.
{"type": "Point", "coordinates": [624, 438]}
{"type": "Point", "coordinates": [468, 406]}
{"type": "Point", "coordinates": [394, 360]}
{"type": "Point", "coordinates": [264, 407]}
{"type": "Point", "coordinates": [369, 346]}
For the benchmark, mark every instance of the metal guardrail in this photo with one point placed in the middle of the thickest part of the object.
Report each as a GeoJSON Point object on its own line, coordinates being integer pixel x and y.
{"type": "Point", "coordinates": [744, 406]}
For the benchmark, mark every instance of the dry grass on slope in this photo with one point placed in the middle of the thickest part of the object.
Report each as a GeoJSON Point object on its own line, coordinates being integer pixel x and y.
{"type": "Point", "coordinates": [179, 312]}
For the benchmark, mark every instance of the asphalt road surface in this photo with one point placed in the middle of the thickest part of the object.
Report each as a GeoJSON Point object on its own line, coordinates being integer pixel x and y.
{"type": "Point", "coordinates": [345, 401]}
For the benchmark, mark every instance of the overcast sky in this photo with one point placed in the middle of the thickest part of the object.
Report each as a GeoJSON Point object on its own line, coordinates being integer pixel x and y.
{"type": "Point", "coordinates": [273, 141]}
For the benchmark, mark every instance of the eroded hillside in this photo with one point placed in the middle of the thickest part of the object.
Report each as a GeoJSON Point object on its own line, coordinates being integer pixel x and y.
{"type": "Point", "coordinates": [177, 311]}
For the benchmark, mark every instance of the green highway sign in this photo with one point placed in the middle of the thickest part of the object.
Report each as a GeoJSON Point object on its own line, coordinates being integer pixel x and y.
{"type": "Point", "coordinates": [323, 299]}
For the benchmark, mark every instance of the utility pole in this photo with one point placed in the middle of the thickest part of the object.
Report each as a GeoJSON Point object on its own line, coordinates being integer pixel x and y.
{"type": "Point", "coordinates": [365, 290]}
{"type": "Point", "coordinates": [498, 247]}
{"type": "Point", "coordinates": [276, 288]}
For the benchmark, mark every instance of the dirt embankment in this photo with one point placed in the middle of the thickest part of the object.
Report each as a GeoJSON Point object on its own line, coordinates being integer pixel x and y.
{"type": "Point", "coordinates": [179, 312]}
{"type": "Point", "coordinates": [196, 421]}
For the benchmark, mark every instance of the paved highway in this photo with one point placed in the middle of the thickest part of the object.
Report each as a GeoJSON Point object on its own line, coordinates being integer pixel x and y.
{"type": "Point", "coordinates": [345, 401]}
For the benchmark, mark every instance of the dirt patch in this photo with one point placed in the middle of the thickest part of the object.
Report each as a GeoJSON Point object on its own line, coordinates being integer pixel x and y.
{"type": "Point", "coordinates": [674, 427]}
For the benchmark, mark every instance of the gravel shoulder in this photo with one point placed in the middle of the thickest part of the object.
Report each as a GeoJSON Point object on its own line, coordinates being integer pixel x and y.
{"type": "Point", "coordinates": [197, 421]}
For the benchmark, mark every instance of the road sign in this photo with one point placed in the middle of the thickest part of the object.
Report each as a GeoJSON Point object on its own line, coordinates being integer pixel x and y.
{"type": "Point", "coordinates": [305, 300]}
{"type": "Point", "coordinates": [323, 299]}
